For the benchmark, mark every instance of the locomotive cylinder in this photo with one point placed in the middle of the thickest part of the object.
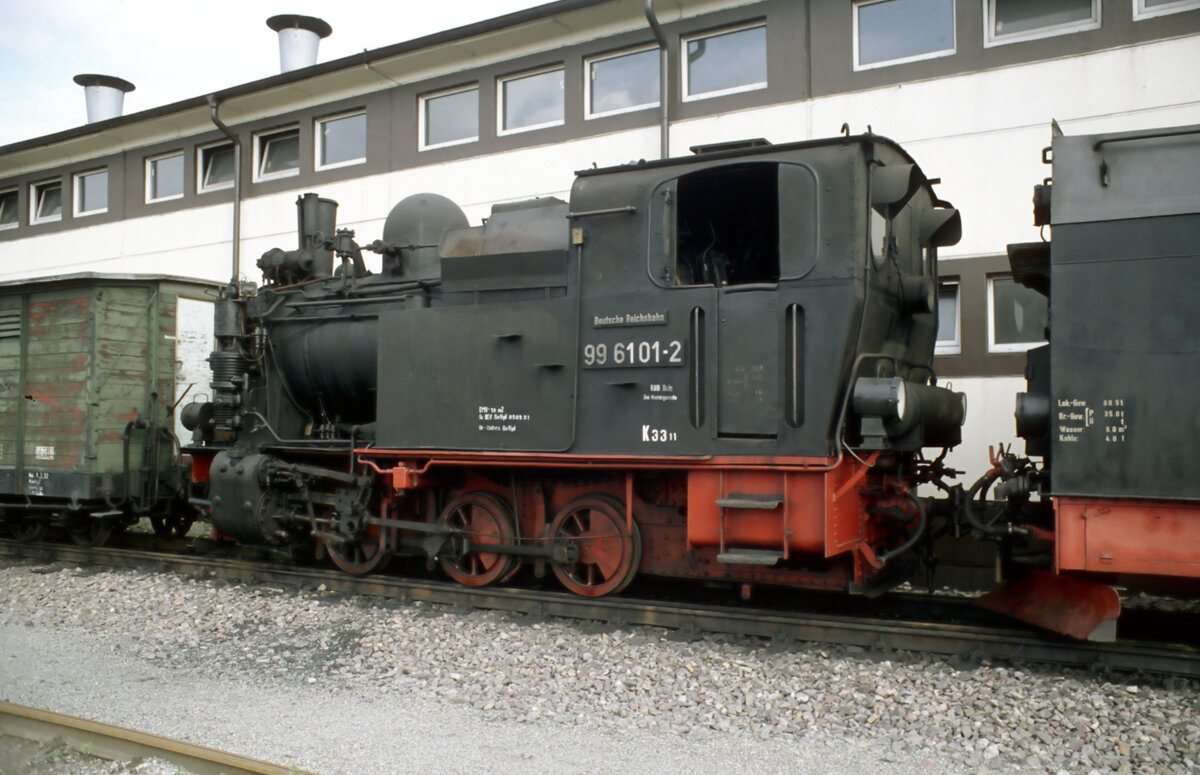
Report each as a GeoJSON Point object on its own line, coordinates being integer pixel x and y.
{"type": "Point", "coordinates": [244, 507]}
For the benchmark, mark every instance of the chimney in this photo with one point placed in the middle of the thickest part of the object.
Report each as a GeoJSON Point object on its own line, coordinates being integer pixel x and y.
{"type": "Point", "coordinates": [298, 39]}
{"type": "Point", "coordinates": [105, 95]}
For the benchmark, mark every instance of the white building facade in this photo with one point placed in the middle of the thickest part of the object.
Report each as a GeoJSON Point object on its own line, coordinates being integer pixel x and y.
{"type": "Point", "coordinates": [508, 109]}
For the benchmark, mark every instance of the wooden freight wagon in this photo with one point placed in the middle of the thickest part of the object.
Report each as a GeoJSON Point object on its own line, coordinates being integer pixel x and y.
{"type": "Point", "coordinates": [87, 394]}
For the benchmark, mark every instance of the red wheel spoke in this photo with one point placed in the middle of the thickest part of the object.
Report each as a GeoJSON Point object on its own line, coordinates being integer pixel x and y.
{"type": "Point", "coordinates": [481, 519]}
{"type": "Point", "coordinates": [361, 556]}
{"type": "Point", "coordinates": [608, 555]}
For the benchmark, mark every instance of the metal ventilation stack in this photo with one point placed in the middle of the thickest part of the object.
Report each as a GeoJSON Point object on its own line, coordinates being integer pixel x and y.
{"type": "Point", "coordinates": [299, 37]}
{"type": "Point", "coordinates": [105, 95]}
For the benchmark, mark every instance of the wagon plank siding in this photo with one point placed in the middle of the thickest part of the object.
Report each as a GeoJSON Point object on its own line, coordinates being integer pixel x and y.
{"type": "Point", "coordinates": [78, 363]}
{"type": "Point", "coordinates": [57, 357]}
{"type": "Point", "coordinates": [11, 315]}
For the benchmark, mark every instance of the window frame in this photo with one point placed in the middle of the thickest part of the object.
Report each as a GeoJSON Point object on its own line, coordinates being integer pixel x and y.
{"type": "Point", "coordinates": [950, 346]}
{"type": "Point", "coordinates": [663, 239]}
{"type": "Point", "coordinates": [150, 161]}
{"type": "Point", "coordinates": [35, 197]}
{"type": "Point", "coordinates": [319, 140]}
{"type": "Point", "coordinates": [990, 39]}
{"type": "Point", "coordinates": [992, 346]}
{"type": "Point", "coordinates": [588, 114]}
{"type": "Point", "coordinates": [854, 40]}
{"type": "Point", "coordinates": [261, 140]}
{"type": "Point", "coordinates": [77, 190]}
{"type": "Point", "coordinates": [201, 171]}
{"type": "Point", "coordinates": [16, 193]}
{"type": "Point", "coordinates": [422, 102]}
{"type": "Point", "coordinates": [502, 80]}
{"type": "Point", "coordinates": [1140, 11]}
{"type": "Point", "coordinates": [684, 70]}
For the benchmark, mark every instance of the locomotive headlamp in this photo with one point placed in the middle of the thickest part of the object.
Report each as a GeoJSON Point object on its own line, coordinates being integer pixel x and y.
{"type": "Point", "coordinates": [908, 414]}
{"type": "Point", "coordinates": [886, 399]}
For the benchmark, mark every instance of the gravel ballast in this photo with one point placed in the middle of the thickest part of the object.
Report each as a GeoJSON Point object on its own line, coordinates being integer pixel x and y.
{"type": "Point", "coordinates": [362, 685]}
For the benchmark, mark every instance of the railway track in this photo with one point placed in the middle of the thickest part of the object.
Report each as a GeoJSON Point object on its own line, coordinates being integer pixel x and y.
{"type": "Point", "coordinates": [688, 619]}
{"type": "Point", "coordinates": [119, 744]}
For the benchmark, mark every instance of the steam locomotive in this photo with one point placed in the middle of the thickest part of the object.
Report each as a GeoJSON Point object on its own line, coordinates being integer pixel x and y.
{"type": "Point", "coordinates": [716, 367]}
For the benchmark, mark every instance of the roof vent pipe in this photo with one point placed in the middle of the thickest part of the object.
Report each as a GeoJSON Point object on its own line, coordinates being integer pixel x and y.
{"type": "Point", "coordinates": [105, 95]}
{"type": "Point", "coordinates": [213, 105]}
{"type": "Point", "coordinates": [299, 37]}
{"type": "Point", "coordinates": [664, 96]}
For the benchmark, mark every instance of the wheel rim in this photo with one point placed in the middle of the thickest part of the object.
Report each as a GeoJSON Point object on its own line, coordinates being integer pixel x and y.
{"type": "Point", "coordinates": [609, 555]}
{"type": "Point", "coordinates": [24, 530]}
{"type": "Point", "coordinates": [359, 557]}
{"type": "Point", "coordinates": [88, 532]}
{"type": "Point", "coordinates": [482, 519]}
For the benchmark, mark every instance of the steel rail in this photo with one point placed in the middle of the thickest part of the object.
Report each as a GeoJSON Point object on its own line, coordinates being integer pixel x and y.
{"type": "Point", "coordinates": [120, 744]}
{"type": "Point", "coordinates": [972, 641]}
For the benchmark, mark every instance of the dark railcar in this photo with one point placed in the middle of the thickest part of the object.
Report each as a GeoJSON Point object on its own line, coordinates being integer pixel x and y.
{"type": "Point", "coordinates": [713, 367]}
{"type": "Point", "coordinates": [1113, 401]}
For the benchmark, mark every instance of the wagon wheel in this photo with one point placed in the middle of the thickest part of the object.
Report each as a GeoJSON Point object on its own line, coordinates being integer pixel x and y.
{"type": "Point", "coordinates": [359, 557]}
{"type": "Point", "coordinates": [483, 519]}
{"type": "Point", "coordinates": [24, 529]}
{"type": "Point", "coordinates": [363, 554]}
{"type": "Point", "coordinates": [86, 531]}
{"type": "Point", "coordinates": [609, 554]}
{"type": "Point", "coordinates": [176, 524]}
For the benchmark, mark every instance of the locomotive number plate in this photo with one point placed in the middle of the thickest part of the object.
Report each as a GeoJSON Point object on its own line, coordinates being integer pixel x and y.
{"type": "Point", "coordinates": [645, 352]}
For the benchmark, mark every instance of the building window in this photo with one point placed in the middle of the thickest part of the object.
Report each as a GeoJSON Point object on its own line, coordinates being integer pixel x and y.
{"type": "Point", "coordinates": [164, 177]}
{"type": "Point", "coordinates": [1148, 9]}
{"type": "Point", "coordinates": [619, 83]}
{"type": "Point", "coordinates": [277, 154]}
{"type": "Point", "coordinates": [214, 167]}
{"type": "Point", "coordinates": [45, 202]}
{"type": "Point", "coordinates": [8, 209]}
{"type": "Point", "coordinates": [1016, 316]}
{"type": "Point", "coordinates": [449, 118]}
{"type": "Point", "coordinates": [725, 62]}
{"type": "Point", "coordinates": [1011, 21]}
{"type": "Point", "coordinates": [341, 140]}
{"type": "Point", "coordinates": [531, 101]}
{"type": "Point", "coordinates": [91, 192]}
{"type": "Point", "coordinates": [949, 338]}
{"type": "Point", "coordinates": [892, 32]}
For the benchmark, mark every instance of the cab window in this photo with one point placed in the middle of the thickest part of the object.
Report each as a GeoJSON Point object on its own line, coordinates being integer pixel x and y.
{"type": "Point", "coordinates": [721, 226]}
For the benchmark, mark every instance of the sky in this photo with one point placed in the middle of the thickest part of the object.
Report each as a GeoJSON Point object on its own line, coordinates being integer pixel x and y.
{"type": "Point", "coordinates": [172, 50]}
